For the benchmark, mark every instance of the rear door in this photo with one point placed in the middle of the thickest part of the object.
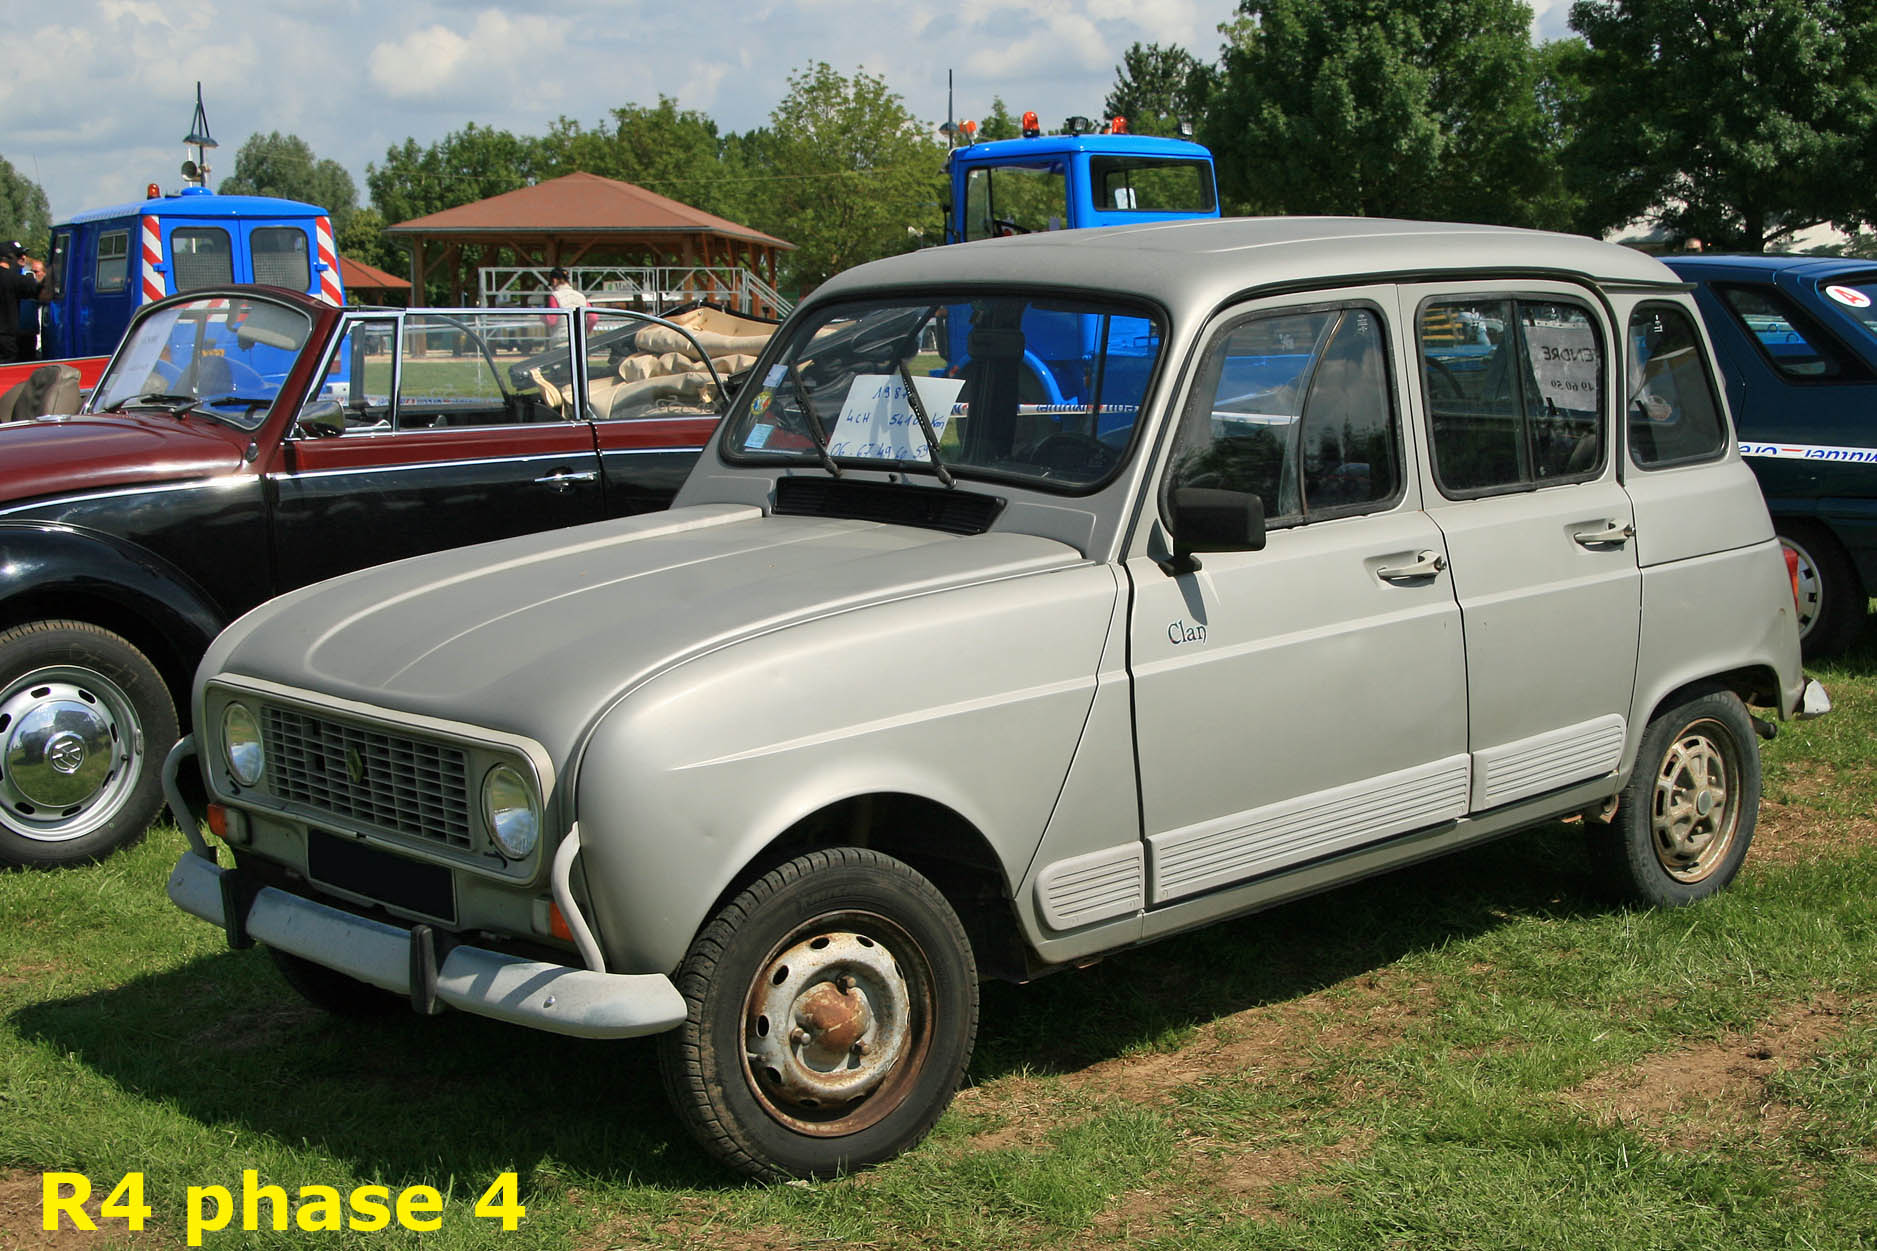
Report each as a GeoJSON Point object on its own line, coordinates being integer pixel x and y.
{"type": "Point", "coordinates": [1521, 481]}
{"type": "Point", "coordinates": [1308, 698]}
{"type": "Point", "coordinates": [424, 437]}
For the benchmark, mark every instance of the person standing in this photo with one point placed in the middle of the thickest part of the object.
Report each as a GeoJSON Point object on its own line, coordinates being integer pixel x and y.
{"type": "Point", "coordinates": [20, 280]}
{"type": "Point", "coordinates": [562, 290]}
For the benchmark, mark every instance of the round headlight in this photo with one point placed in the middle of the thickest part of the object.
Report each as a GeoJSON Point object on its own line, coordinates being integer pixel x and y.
{"type": "Point", "coordinates": [509, 806]}
{"type": "Point", "coordinates": [241, 744]}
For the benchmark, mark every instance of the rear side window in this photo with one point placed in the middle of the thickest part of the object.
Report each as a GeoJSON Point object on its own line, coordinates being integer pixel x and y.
{"type": "Point", "coordinates": [280, 257]}
{"type": "Point", "coordinates": [1296, 408]}
{"type": "Point", "coordinates": [55, 264]}
{"type": "Point", "coordinates": [1514, 392]}
{"type": "Point", "coordinates": [1673, 415]}
{"type": "Point", "coordinates": [113, 268]}
{"type": "Point", "coordinates": [201, 256]}
{"type": "Point", "coordinates": [1143, 184]}
{"type": "Point", "coordinates": [1792, 343]}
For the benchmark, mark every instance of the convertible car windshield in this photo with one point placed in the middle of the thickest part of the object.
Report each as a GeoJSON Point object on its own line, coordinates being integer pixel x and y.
{"type": "Point", "coordinates": [1039, 389]}
{"type": "Point", "coordinates": [222, 356]}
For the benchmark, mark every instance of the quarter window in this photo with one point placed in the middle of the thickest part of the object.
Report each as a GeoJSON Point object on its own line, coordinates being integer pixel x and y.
{"type": "Point", "coordinates": [1673, 416]}
{"type": "Point", "coordinates": [1296, 408]}
{"type": "Point", "coordinates": [113, 269]}
{"type": "Point", "coordinates": [202, 257]}
{"type": "Point", "coordinates": [1514, 394]}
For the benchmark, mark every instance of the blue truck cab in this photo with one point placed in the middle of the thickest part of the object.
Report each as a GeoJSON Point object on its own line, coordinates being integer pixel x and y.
{"type": "Point", "coordinates": [1068, 182]}
{"type": "Point", "coordinates": [104, 264]}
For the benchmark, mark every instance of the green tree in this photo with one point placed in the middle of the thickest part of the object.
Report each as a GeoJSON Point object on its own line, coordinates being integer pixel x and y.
{"type": "Point", "coordinates": [999, 123]}
{"type": "Point", "coordinates": [25, 214]}
{"type": "Point", "coordinates": [363, 238]}
{"type": "Point", "coordinates": [674, 152]}
{"type": "Point", "coordinates": [464, 166]}
{"type": "Point", "coordinates": [1737, 122]}
{"type": "Point", "coordinates": [1410, 108]}
{"type": "Point", "coordinates": [1158, 88]}
{"type": "Point", "coordinates": [285, 165]}
{"type": "Point", "coordinates": [851, 174]}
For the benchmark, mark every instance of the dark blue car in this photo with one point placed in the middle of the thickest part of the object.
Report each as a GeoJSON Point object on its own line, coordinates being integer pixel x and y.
{"type": "Point", "coordinates": [1797, 339]}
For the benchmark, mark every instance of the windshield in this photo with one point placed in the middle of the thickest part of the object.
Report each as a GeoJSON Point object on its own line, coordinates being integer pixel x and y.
{"type": "Point", "coordinates": [1037, 389]}
{"type": "Point", "coordinates": [224, 356]}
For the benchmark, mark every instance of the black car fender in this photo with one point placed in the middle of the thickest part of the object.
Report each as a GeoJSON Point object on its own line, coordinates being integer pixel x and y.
{"type": "Point", "coordinates": [54, 571]}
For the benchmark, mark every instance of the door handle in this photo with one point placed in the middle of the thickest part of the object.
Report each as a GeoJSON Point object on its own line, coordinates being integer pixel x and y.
{"type": "Point", "coordinates": [562, 480]}
{"type": "Point", "coordinates": [1426, 565]}
{"type": "Point", "coordinates": [1615, 532]}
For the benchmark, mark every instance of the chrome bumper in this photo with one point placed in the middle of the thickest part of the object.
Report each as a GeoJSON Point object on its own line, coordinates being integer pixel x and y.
{"type": "Point", "coordinates": [552, 997]}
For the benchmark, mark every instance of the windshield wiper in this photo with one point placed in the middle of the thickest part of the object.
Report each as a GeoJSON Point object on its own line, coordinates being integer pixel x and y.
{"type": "Point", "coordinates": [809, 419]}
{"type": "Point", "coordinates": [925, 424]}
{"type": "Point", "coordinates": [157, 399]}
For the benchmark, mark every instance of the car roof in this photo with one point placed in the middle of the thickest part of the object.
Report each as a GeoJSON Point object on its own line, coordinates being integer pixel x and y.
{"type": "Point", "coordinates": [1184, 264]}
{"type": "Point", "coordinates": [1765, 265]}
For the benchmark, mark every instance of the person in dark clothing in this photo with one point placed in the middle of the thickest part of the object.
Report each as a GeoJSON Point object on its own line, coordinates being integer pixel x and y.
{"type": "Point", "coordinates": [20, 279]}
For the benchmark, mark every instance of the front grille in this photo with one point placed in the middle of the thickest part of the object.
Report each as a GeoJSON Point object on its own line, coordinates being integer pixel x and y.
{"type": "Point", "coordinates": [405, 785]}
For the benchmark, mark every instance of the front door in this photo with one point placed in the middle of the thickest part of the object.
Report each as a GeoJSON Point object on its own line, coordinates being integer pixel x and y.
{"type": "Point", "coordinates": [1306, 699]}
{"type": "Point", "coordinates": [422, 438]}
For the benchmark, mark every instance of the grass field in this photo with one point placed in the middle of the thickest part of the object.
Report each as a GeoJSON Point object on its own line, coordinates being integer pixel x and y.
{"type": "Point", "coordinates": [1481, 1052]}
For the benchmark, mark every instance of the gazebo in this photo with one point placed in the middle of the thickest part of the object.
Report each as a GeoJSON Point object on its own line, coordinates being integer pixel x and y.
{"type": "Point", "coordinates": [582, 219]}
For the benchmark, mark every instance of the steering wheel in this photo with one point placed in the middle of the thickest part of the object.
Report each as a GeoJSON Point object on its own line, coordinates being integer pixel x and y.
{"type": "Point", "coordinates": [1069, 453]}
{"type": "Point", "coordinates": [1004, 228]}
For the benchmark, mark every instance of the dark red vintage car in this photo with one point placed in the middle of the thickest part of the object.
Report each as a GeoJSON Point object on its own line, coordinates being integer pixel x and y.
{"type": "Point", "coordinates": [248, 440]}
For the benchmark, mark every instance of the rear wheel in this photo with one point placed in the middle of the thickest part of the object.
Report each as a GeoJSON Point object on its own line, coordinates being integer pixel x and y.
{"type": "Point", "coordinates": [85, 720]}
{"type": "Point", "coordinates": [1831, 600]}
{"type": "Point", "coordinates": [1685, 820]}
{"type": "Point", "coordinates": [833, 1006]}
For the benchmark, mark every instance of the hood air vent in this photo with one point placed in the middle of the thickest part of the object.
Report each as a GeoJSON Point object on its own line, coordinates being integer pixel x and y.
{"type": "Point", "coordinates": [955, 512]}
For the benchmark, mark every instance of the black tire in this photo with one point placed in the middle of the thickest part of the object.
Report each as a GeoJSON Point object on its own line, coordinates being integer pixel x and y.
{"type": "Point", "coordinates": [85, 721]}
{"type": "Point", "coordinates": [334, 992]}
{"type": "Point", "coordinates": [833, 1007]}
{"type": "Point", "coordinates": [1832, 600]}
{"type": "Point", "coordinates": [1685, 820]}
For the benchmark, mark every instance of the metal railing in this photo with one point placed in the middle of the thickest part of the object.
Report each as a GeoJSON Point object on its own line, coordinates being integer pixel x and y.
{"type": "Point", "coordinates": [645, 289]}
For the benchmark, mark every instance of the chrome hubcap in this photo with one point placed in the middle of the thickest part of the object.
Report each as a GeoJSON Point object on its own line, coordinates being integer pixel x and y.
{"type": "Point", "coordinates": [1694, 814]}
{"type": "Point", "coordinates": [69, 751]}
{"type": "Point", "coordinates": [1811, 596]}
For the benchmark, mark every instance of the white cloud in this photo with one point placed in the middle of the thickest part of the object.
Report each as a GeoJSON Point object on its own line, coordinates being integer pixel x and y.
{"type": "Point", "coordinates": [499, 53]}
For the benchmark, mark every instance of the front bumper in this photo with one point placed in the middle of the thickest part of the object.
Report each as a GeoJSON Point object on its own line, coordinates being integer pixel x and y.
{"type": "Point", "coordinates": [584, 1003]}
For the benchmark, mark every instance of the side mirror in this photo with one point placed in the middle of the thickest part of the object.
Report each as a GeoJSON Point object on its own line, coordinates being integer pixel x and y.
{"type": "Point", "coordinates": [1211, 519]}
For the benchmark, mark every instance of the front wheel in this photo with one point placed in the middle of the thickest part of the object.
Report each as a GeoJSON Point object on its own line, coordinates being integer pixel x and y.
{"type": "Point", "coordinates": [85, 720]}
{"type": "Point", "coordinates": [1686, 818]}
{"type": "Point", "coordinates": [833, 1007]}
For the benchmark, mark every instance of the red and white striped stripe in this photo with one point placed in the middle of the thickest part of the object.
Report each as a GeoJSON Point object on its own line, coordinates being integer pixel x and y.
{"type": "Point", "coordinates": [329, 287]}
{"type": "Point", "coordinates": [153, 288]}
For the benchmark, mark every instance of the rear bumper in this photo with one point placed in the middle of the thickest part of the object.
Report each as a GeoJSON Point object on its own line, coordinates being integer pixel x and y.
{"type": "Point", "coordinates": [418, 963]}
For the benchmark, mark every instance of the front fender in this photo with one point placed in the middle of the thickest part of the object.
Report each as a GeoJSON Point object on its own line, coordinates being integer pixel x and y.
{"type": "Point", "coordinates": [69, 571]}
{"type": "Point", "coordinates": [972, 698]}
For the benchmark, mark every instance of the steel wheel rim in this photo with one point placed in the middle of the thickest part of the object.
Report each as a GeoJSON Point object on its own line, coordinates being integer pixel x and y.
{"type": "Point", "coordinates": [1695, 810]}
{"type": "Point", "coordinates": [71, 750]}
{"type": "Point", "coordinates": [1809, 602]}
{"type": "Point", "coordinates": [837, 1023]}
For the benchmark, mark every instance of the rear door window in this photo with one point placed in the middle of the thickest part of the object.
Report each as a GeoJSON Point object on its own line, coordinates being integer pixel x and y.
{"type": "Point", "coordinates": [280, 257]}
{"type": "Point", "coordinates": [1514, 392]}
{"type": "Point", "coordinates": [201, 256]}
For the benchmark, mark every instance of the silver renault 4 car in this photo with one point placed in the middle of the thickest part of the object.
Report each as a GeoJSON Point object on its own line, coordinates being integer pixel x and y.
{"type": "Point", "coordinates": [1038, 598]}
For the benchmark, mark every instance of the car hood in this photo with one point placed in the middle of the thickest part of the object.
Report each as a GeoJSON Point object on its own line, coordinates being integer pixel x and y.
{"type": "Point", "coordinates": [65, 454]}
{"type": "Point", "coordinates": [538, 635]}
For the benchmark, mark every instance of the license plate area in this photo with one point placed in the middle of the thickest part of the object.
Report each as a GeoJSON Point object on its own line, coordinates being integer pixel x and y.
{"type": "Point", "coordinates": [428, 890]}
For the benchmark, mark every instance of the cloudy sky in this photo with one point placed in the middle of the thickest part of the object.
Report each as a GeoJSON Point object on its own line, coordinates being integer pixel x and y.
{"type": "Point", "coordinates": [99, 108]}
